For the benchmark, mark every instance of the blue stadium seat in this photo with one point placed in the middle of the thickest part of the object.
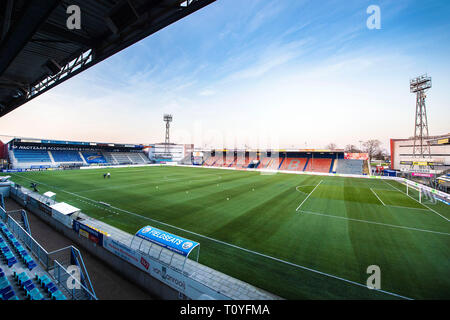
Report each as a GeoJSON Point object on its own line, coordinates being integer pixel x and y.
{"type": "Point", "coordinates": [349, 166]}
{"type": "Point", "coordinates": [35, 294]}
{"type": "Point", "coordinates": [58, 295]}
{"type": "Point", "coordinates": [32, 155]}
{"type": "Point", "coordinates": [66, 156]}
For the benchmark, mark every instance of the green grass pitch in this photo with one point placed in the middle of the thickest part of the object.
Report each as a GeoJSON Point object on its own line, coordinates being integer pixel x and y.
{"type": "Point", "coordinates": [297, 236]}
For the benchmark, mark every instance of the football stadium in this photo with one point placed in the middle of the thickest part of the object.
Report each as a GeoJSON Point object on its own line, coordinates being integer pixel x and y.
{"type": "Point", "coordinates": [88, 220]}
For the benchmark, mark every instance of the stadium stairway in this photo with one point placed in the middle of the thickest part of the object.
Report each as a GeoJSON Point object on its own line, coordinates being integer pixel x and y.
{"type": "Point", "coordinates": [332, 165]}
{"type": "Point", "coordinates": [281, 163]}
{"type": "Point", "coordinates": [306, 164]}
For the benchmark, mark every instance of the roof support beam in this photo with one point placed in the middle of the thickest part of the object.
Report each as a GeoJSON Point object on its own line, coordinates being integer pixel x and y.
{"type": "Point", "coordinates": [65, 35]}
{"type": "Point", "coordinates": [7, 21]}
{"type": "Point", "coordinates": [34, 15]}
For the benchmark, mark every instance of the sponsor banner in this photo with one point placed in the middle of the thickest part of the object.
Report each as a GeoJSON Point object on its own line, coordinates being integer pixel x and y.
{"type": "Point", "coordinates": [126, 253]}
{"type": "Point", "coordinates": [170, 277]}
{"type": "Point", "coordinates": [174, 279]}
{"type": "Point", "coordinates": [167, 240]}
{"type": "Point", "coordinates": [47, 147]}
{"type": "Point", "coordinates": [444, 195]}
{"type": "Point", "coordinates": [443, 200]}
{"type": "Point", "coordinates": [91, 233]}
{"type": "Point", "coordinates": [155, 269]}
{"type": "Point", "coordinates": [418, 174]}
{"type": "Point", "coordinates": [39, 166]}
{"type": "Point", "coordinates": [356, 156]}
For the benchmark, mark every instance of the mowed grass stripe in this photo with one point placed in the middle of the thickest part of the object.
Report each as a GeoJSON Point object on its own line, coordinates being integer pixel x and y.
{"type": "Point", "coordinates": [262, 221]}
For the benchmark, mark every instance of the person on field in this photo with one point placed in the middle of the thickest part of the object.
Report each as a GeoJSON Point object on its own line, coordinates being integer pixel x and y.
{"type": "Point", "coordinates": [104, 175]}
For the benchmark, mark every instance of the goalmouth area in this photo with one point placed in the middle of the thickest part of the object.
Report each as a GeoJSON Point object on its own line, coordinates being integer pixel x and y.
{"type": "Point", "coordinates": [298, 236]}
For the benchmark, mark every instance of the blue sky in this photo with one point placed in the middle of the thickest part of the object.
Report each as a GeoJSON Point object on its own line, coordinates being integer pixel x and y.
{"type": "Point", "coordinates": [290, 73]}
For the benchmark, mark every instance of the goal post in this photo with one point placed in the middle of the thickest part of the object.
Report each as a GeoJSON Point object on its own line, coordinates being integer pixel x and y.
{"type": "Point", "coordinates": [414, 192]}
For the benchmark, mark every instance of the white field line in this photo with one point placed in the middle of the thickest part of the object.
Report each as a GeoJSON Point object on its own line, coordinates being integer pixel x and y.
{"type": "Point", "coordinates": [418, 202]}
{"type": "Point", "coordinates": [296, 188]}
{"type": "Point", "coordinates": [308, 196]}
{"type": "Point", "coordinates": [374, 222]}
{"type": "Point", "coordinates": [377, 197]}
{"type": "Point", "coordinates": [237, 247]}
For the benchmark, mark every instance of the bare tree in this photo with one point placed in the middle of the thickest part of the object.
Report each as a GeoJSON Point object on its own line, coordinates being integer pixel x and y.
{"type": "Point", "coordinates": [381, 154]}
{"type": "Point", "coordinates": [331, 146]}
{"type": "Point", "coordinates": [351, 148]}
{"type": "Point", "coordinates": [372, 147]}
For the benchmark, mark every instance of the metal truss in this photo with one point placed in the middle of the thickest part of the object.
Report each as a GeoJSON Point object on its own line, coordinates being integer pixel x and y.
{"type": "Point", "coordinates": [79, 63]}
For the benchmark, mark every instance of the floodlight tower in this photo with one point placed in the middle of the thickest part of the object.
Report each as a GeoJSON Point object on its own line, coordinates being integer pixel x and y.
{"type": "Point", "coordinates": [168, 119]}
{"type": "Point", "coordinates": [419, 86]}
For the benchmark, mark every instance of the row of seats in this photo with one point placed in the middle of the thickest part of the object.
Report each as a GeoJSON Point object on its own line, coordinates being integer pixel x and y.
{"type": "Point", "coordinates": [37, 155]}
{"type": "Point", "coordinates": [27, 287]}
{"type": "Point", "coordinates": [319, 165]}
{"type": "Point", "coordinates": [291, 164]}
{"type": "Point", "coordinates": [6, 289]}
{"type": "Point", "coordinates": [126, 157]}
{"type": "Point", "coordinates": [20, 250]}
{"type": "Point", "coordinates": [49, 287]}
{"type": "Point", "coordinates": [66, 156]}
{"type": "Point", "coordinates": [26, 284]}
{"type": "Point", "coordinates": [6, 253]}
{"type": "Point", "coordinates": [350, 166]}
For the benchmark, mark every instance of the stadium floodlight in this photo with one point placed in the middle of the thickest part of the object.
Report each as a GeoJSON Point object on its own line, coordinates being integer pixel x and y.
{"type": "Point", "coordinates": [418, 86]}
{"type": "Point", "coordinates": [420, 83]}
{"type": "Point", "coordinates": [167, 119]}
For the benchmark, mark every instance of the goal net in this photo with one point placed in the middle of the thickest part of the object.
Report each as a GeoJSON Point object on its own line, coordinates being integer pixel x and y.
{"type": "Point", "coordinates": [419, 193]}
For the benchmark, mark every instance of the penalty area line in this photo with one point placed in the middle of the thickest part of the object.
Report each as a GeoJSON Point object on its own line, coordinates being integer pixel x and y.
{"type": "Point", "coordinates": [418, 201]}
{"type": "Point", "coordinates": [377, 197]}
{"type": "Point", "coordinates": [237, 247]}
{"type": "Point", "coordinates": [308, 196]}
{"type": "Point", "coordinates": [374, 222]}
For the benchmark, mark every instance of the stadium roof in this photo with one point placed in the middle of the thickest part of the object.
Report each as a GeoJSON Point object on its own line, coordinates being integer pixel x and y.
{"type": "Point", "coordinates": [38, 51]}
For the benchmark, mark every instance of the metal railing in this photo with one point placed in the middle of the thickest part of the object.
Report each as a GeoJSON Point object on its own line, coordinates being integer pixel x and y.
{"type": "Point", "coordinates": [2, 202]}
{"type": "Point", "coordinates": [71, 285]}
{"type": "Point", "coordinates": [2, 214]}
{"type": "Point", "coordinates": [58, 269]}
{"type": "Point", "coordinates": [35, 248]}
{"type": "Point", "coordinates": [61, 275]}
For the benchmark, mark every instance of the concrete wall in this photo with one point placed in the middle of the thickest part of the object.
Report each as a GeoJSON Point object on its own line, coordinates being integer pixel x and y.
{"type": "Point", "coordinates": [133, 274]}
